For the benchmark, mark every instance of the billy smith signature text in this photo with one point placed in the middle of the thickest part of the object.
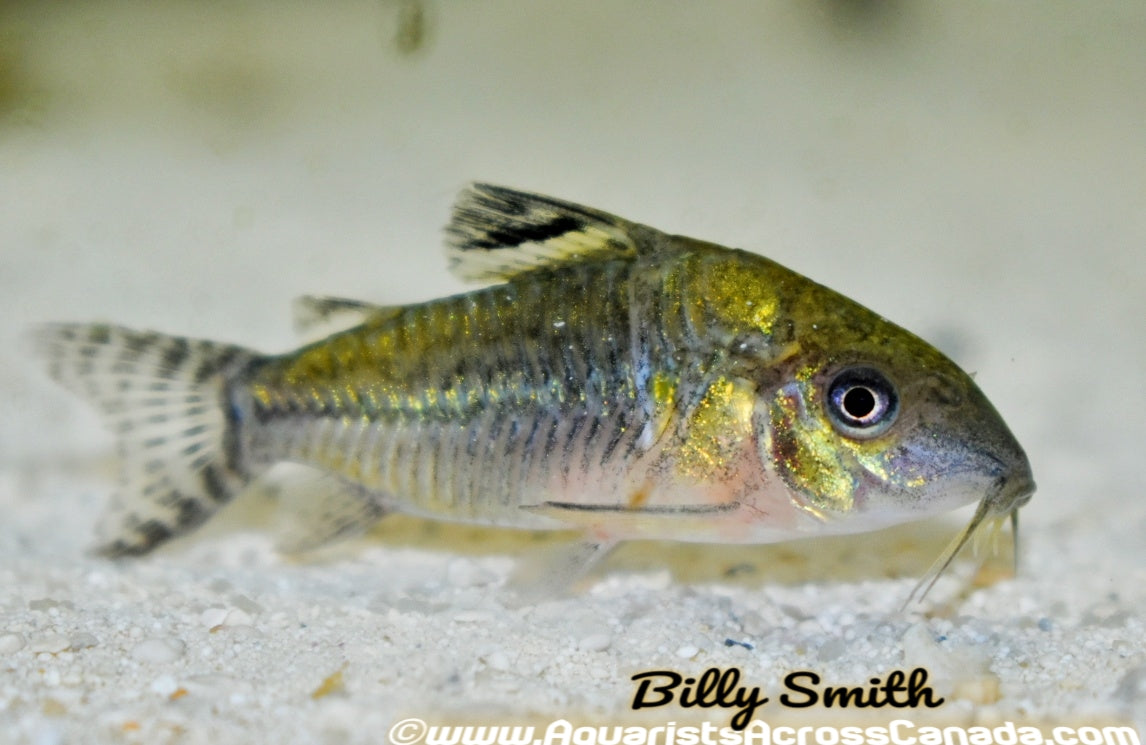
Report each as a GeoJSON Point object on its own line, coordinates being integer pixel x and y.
{"type": "Point", "coordinates": [721, 688]}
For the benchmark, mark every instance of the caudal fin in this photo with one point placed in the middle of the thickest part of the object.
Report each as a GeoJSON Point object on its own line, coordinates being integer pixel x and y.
{"type": "Point", "coordinates": [167, 399]}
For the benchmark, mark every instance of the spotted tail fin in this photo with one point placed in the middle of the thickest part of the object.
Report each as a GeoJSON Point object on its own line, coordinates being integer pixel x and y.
{"type": "Point", "coordinates": [168, 401]}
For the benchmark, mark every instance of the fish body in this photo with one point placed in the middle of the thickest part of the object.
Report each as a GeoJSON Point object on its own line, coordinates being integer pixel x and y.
{"type": "Point", "coordinates": [611, 378]}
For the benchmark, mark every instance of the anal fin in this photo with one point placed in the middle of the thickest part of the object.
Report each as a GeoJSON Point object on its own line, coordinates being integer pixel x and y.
{"type": "Point", "coordinates": [318, 509]}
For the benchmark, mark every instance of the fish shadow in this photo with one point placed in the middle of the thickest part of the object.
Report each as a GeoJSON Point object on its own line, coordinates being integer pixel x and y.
{"type": "Point", "coordinates": [897, 552]}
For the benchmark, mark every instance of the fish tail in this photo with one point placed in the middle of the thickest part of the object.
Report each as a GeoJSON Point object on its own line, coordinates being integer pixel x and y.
{"type": "Point", "coordinates": [170, 402]}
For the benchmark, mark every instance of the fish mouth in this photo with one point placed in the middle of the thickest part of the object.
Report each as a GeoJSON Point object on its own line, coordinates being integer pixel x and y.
{"type": "Point", "coordinates": [1014, 493]}
{"type": "Point", "coordinates": [1003, 500]}
{"type": "Point", "coordinates": [1013, 488]}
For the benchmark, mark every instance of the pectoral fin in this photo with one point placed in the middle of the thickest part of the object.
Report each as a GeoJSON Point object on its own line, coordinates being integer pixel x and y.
{"type": "Point", "coordinates": [623, 520]}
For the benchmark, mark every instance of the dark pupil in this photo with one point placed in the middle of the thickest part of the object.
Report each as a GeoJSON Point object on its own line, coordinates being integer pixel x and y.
{"type": "Point", "coordinates": [859, 402]}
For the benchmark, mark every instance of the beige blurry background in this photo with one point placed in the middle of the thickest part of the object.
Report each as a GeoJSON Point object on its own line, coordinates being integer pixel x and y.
{"type": "Point", "coordinates": [975, 171]}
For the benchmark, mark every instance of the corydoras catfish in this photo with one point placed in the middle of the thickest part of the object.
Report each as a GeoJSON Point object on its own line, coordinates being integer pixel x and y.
{"type": "Point", "coordinates": [609, 377]}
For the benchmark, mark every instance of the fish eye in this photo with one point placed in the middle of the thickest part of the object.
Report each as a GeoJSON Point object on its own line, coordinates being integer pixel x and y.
{"type": "Point", "coordinates": [862, 402]}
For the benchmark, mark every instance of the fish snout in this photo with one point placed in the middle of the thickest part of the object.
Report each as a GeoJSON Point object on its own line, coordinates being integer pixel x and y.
{"type": "Point", "coordinates": [1015, 485]}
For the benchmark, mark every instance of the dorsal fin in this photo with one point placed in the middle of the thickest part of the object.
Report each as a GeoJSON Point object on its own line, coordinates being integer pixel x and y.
{"type": "Point", "coordinates": [496, 233]}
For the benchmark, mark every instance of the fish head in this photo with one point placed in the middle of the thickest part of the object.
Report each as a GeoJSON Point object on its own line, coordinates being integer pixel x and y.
{"type": "Point", "coordinates": [865, 440]}
{"type": "Point", "coordinates": [866, 424]}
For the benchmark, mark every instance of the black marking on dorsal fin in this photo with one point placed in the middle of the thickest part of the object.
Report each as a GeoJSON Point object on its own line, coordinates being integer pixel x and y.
{"type": "Point", "coordinates": [496, 233]}
{"type": "Point", "coordinates": [527, 233]}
